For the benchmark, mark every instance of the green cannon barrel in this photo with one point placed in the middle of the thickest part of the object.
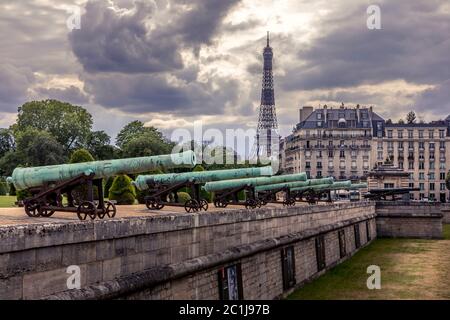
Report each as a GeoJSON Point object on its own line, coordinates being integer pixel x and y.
{"type": "Point", "coordinates": [356, 186]}
{"type": "Point", "coordinates": [143, 181]}
{"type": "Point", "coordinates": [230, 184]}
{"type": "Point", "coordinates": [324, 187]}
{"type": "Point", "coordinates": [311, 182]}
{"type": "Point", "coordinates": [24, 178]}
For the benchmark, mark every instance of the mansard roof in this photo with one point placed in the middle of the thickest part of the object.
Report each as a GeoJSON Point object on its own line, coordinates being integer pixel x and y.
{"type": "Point", "coordinates": [340, 118]}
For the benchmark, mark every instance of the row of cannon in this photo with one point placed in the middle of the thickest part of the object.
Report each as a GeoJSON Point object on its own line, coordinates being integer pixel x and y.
{"type": "Point", "coordinates": [48, 184]}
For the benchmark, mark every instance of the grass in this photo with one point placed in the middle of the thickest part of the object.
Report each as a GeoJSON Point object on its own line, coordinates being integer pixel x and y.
{"type": "Point", "coordinates": [7, 201]}
{"type": "Point", "coordinates": [446, 231]}
{"type": "Point", "coordinates": [410, 269]}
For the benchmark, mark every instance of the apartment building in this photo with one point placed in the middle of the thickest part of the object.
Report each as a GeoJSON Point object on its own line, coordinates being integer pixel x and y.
{"type": "Point", "coordinates": [347, 143]}
{"type": "Point", "coordinates": [422, 150]}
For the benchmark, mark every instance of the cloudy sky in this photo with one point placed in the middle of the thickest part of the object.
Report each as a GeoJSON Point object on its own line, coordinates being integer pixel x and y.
{"type": "Point", "coordinates": [171, 62]}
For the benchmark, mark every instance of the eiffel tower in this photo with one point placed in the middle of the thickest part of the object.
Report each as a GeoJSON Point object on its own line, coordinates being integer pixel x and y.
{"type": "Point", "coordinates": [267, 137]}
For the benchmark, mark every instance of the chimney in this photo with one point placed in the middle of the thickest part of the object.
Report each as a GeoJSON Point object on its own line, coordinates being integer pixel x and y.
{"type": "Point", "coordinates": [305, 112]}
{"type": "Point", "coordinates": [325, 113]}
{"type": "Point", "coordinates": [358, 113]}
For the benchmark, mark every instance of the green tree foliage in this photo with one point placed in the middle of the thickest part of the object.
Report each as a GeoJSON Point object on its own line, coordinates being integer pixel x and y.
{"type": "Point", "coordinates": [447, 181]}
{"type": "Point", "coordinates": [10, 161]}
{"type": "Point", "coordinates": [135, 140]}
{"type": "Point", "coordinates": [7, 142]}
{"type": "Point", "coordinates": [3, 188]}
{"type": "Point", "coordinates": [12, 190]}
{"type": "Point", "coordinates": [23, 194]}
{"type": "Point", "coordinates": [38, 148]}
{"type": "Point", "coordinates": [183, 197]}
{"type": "Point", "coordinates": [122, 190]}
{"type": "Point", "coordinates": [411, 117]}
{"type": "Point", "coordinates": [68, 124]}
{"type": "Point", "coordinates": [98, 144]}
{"type": "Point", "coordinates": [81, 155]}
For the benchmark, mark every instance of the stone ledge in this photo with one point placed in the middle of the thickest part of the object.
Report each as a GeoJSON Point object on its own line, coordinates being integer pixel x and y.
{"type": "Point", "coordinates": [138, 281]}
{"type": "Point", "coordinates": [23, 237]}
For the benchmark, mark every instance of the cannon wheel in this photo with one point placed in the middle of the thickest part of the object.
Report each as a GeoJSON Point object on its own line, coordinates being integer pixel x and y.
{"type": "Point", "coordinates": [191, 206]}
{"type": "Point", "coordinates": [110, 209]}
{"type": "Point", "coordinates": [262, 202]}
{"type": "Point", "coordinates": [46, 213]}
{"type": "Point", "coordinates": [85, 209]}
{"type": "Point", "coordinates": [153, 204]}
{"type": "Point", "coordinates": [32, 208]}
{"type": "Point", "coordinates": [220, 204]}
{"type": "Point", "coordinates": [250, 204]}
{"type": "Point", "coordinates": [258, 203]}
{"type": "Point", "coordinates": [204, 204]}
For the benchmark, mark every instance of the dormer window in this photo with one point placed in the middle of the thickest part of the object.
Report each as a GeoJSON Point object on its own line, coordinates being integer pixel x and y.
{"type": "Point", "coordinates": [319, 116]}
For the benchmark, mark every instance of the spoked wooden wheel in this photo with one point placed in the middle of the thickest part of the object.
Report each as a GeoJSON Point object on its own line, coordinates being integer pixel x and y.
{"type": "Point", "coordinates": [85, 209]}
{"type": "Point", "coordinates": [204, 205]}
{"type": "Point", "coordinates": [110, 209]}
{"type": "Point", "coordinates": [32, 208]}
{"type": "Point", "coordinates": [153, 204]}
{"type": "Point", "coordinates": [46, 213]}
{"type": "Point", "coordinates": [191, 206]}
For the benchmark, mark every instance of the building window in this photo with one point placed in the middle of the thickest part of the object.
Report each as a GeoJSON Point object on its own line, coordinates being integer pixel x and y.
{"type": "Point", "coordinates": [342, 154]}
{"type": "Point", "coordinates": [330, 164]}
{"type": "Point", "coordinates": [442, 187]}
{"type": "Point", "coordinates": [330, 154]}
{"type": "Point", "coordinates": [342, 246]}
{"type": "Point", "coordinates": [369, 236]}
{"type": "Point", "coordinates": [380, 155]}
{"type": "Point", "coordinates": [389, 186]}
{"type": "Point", "coordinates": [357, 236]}
{"type": "Point", "coordinates": [421, 134]}
{"type": "Point", "coordinates": [288, 267]}
{"type": "Point", "coordinates": [421, 165]}
{"type": "Point", "coordinates": [380, 145]}
{"type": "Point", "coordinates": [400, 165]}
{"type": "Point", "coordinates": [308, 165]}
{"type": "Point", "coordinates": [432, 165]}
{"type": "Point", "coordinates": [230, 283]}
{"type": "Point", "coordinates": [431, 134]}
{"type": "Point", "coordinates": [411, 165]}
{"type": "Point", "coordinates": [432, 186]}
{"type": "Point", "coordinates": [389, 133]}
{"type": "Point", "coordinates": [431, 175]}
{"type": "Point", "coordinates": [319, 116]}
{"type": "Point", "coordinates": [421, 186]}
{"type": "Point", "coordinates": [411, 145]}
{"type": "Point", "coordinates": [421, 176]}
{"type": "Point", "coordinates": [442, 176]}
{"type": "Point", "coordinates": [410, 134]}
{"type": "Point", "coordinates": [400, 134]}
{"type": "Point", "coordinates": [320, 252]}
{"type": "Point", "coordinates": [441, 134]}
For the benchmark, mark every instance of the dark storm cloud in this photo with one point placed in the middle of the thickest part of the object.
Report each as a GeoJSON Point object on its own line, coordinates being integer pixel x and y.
{"type": "Point", "coordinates": [14, 84]}
{"type": "Point", "coordinates": [436, 100]}
{"type": "Point", "coordinates": [112, 41]}
{"type": "Point", "coordinates": [155, 93]}
{"type": "Point", "coordinates": [413, 45]}
{"type": "Point", "coordinates": [71, 94]}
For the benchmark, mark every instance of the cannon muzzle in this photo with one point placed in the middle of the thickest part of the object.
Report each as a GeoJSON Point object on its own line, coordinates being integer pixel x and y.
{"type": "Point", "coordinates": [24, 178]}
{"type": "Point", "coordinates": [142, 182]}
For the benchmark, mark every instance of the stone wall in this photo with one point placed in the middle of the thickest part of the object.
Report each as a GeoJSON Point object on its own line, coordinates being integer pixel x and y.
{"type": "Point", "coordinates": [160, 256]}
{"type": "Point", "coordinates": [446, 213]}
{"type": "Point", "coordinates": [409, 220]}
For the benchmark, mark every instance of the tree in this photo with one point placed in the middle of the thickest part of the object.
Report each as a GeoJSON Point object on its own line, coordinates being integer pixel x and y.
{"type": "Point", "coordinates": [98, 144]}
{"type": "Point", "coordinates": [146, 144]}
{"type": "Point", "coordinates": [411, 117]}
{"type": "Point", "coordinates": [7, 142]}
{"type": "Point", "coordinates": [68, 124]}
{"type": "Point", "coordinates": [122, 190]}
{"type": "Point", "coordinates": [388, 121]}
{"type": "Point", "coordinates": [10, 161]}
{"type": "Point", "coordinates": [401, 121]}
{"type": "Point", "coordinates": [38, 148]}
{"type": "Point", "coordinates": [447, 181]}
{"type": "Point", "coordinates": [134, 130]}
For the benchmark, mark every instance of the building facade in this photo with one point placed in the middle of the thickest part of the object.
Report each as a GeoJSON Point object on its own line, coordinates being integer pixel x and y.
{"type": "Point", "coordinates": [347, 143]}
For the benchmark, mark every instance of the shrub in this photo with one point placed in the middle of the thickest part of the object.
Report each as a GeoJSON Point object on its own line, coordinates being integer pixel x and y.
{"type": "Point", "coordinates": [447, 181]}
{"type": "Point", "coordinates": [140, 195]}
{"type": "Point", "coordinates": [3, 188]}
{"type": "Point", "coordinates": [80, 193]}
{"type": "Point", "coordinates": [12, 189]}
{"type": "Point", "coordinates": [23, 194]}
{"type": "Point", "coordinates": [122, 190]}
{"type": "Point", "coordinates": [183, 197]}
{"type": "Point", "coordinates": [81, 155]}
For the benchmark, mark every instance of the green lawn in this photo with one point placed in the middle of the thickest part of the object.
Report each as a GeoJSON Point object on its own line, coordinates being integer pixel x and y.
{"type": "Point", "coordinates": [410, 269]}
{"type": "Point", "coordinates": [7, 201]}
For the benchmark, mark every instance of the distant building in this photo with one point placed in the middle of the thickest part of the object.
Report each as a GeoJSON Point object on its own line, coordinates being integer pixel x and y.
{"type": "Point", "coordinates": [347, 143]}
